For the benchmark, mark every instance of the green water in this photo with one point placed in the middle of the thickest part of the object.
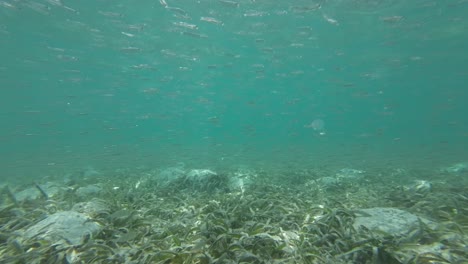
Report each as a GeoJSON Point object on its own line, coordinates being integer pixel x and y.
{"type": "Point", "coordinates": [114, 84]}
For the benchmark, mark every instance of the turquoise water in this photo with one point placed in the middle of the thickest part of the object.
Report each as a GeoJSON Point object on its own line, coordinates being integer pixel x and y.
{"type": "Point", "coordinates": [216, 84]}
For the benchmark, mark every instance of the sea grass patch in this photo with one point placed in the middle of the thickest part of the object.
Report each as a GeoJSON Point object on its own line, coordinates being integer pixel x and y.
{"type": "Point", "coordinates": [274, 220]}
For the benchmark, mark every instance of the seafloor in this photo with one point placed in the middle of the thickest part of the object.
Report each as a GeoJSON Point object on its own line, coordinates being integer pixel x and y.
{"type": "Point", "coordinates": [175, 215]}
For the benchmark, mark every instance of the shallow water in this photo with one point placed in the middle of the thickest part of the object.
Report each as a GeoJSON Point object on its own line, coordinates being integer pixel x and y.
{"type": "Point", "coordinates": [92, 92]}
{"type": "Point", "coordinates": [220, 83]}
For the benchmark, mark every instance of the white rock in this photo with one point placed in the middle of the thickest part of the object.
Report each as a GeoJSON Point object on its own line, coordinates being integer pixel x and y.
{"type": "Point", "coordinates": [391, 221]}
{"type": "Point", "coordinates": [198, 174]}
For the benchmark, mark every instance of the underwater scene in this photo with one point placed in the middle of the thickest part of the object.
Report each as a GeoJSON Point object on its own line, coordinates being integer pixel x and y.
{"type": "Point", "coordinates": [234, 131]}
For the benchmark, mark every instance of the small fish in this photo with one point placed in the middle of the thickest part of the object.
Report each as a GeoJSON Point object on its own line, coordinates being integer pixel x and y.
{"type": "Point", "coordinates": [178, 10]}
{"type": "Point", "coordinates": [128, 34]}
{"type": "Point", "coordinates": [211, 20]}
{"type": "Point", "coordinates": [192, 34]}
{"type": "Point", "coordinates": [331, 20]}
{"type": "Point", "coordinates": [186, 25]}
{"type": "Point", "coordinates": [229, 3]}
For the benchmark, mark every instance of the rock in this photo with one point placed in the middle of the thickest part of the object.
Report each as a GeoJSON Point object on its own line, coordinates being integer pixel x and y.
{"type": "Point", "coordinates": [66, 227]}
{"type": "Point", "coordinates": [390, 221]}
{"type": "Point", "coordinates": [200, 174]}
{"type": "Point", "coordinates": [327, 182]}
{"type": "Point", "coordinates": [241, 179]}
{"type": "Point", "coordinates": [33, 193]}
{"type": "Point", "coordinates": [204, 180]}
{"type": "Point", "coordinates": [342, 176]}
{"type": "Point", "coordinates": [169, 175]}
{"type": "Point", "coordinates": [93, 208]}
{"type": "Point", "coordinates": [456, 168]}
{"type": "Point", "coordinates": [348, 174]}
{"type": "Point", "coordinates": [89, 172]}
{"type": "Point", "coordinates": [420, 186]}
{"type": "Point", "coordinates": [89, 190]}
{"type": "Point", "coordinates": [195, 179]}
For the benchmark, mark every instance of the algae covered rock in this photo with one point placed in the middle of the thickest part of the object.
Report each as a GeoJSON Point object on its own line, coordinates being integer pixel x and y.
{"type": "Point", "coordinates": [66, 227]}
{"type": "Point", "coordinates": [93, 208]}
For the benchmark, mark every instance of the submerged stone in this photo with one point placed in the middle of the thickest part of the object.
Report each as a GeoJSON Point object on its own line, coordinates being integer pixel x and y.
{"type": "Point", "coordinates": [327, 182]}
{"type": "Point", "coordinates": [33, 193]}
{"type": "Point", "coordinates": [241, 179]}
{"type": "Point", "coordinates": [390, 221]}
{"type": "Point", "coordinates": [168, 176]}
{"type": "Point", "coordinates": [420, 187]}
{"type": "Point", "coordinates": [89, 190]}
{"type": "Point", "coordinates": [347, 173]}
{"type": "Point", "coordinates": [93, 208]}
{"type": "Point", "coordinates": [67, 227]}
{"type": "Point", "coordinates": [204, 180]}
{"type": "Point", "coordinates": [457, 168]}
{"type": "Point", "coordinates": [200, 174]}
